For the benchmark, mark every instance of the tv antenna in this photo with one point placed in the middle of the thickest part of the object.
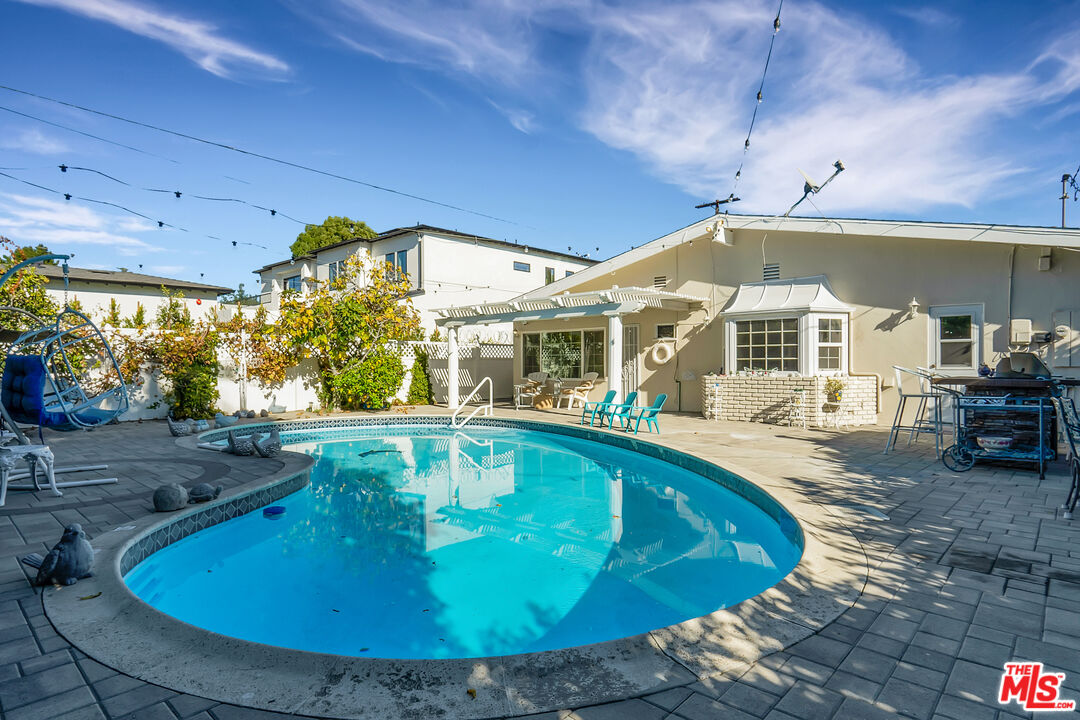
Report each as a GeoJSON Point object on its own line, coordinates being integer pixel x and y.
{"type": "Point", "coordinates": [812, 188]}
{"type": "Point", "coordinates": [715, 204]}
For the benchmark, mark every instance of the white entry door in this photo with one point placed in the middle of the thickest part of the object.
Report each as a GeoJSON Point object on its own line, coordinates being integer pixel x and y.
{"type": "Point", "coordinates": [631, 345]}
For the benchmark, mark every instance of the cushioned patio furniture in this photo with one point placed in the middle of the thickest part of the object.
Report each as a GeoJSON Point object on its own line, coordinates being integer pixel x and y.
{"type": "Point", "coordinates": [525, 393]}
{"type": "Point", "coordinates": [578, 392]}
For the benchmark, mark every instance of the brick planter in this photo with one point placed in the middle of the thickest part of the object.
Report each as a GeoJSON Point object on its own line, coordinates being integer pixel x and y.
{"type": "Point", "coordinates": [766, 398]}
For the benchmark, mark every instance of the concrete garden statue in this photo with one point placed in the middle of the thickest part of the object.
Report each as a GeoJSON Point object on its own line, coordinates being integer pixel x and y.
{"type": "Point", "coordinates": [168, 498]}
{"type": "Point", "coordinates": [70, 560]}
{"type": "Point", "coordinates": [204, 492]}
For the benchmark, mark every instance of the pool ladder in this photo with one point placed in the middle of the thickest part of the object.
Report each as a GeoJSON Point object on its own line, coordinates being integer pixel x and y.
{"type": "Point", "coordinates": [486, 408]}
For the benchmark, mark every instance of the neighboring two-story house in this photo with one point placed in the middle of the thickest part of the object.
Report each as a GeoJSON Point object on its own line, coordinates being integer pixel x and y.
{"type": "Point", "coordinates": [445, 267]}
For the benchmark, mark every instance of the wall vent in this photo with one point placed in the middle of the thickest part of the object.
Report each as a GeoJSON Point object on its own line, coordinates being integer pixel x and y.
{"type": "Point", "coordinates": [770, 271]}
{"type": "Point", "coordinates": [659, 281]}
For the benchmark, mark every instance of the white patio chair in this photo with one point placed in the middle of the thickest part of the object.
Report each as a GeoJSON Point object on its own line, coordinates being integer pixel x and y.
{"type": "Point", "coordinates": [578, 392]}
{"type": "Point", "coordinates": [526, 392]}
{"type": "Point", "coordinates": [927, 400]}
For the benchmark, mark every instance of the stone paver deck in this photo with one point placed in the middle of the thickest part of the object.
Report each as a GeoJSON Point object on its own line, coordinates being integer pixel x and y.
{"type": "Point", "coordinates": [968, 571]}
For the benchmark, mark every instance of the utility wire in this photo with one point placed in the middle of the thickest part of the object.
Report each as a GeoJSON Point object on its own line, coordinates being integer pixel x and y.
{"type": "Point", "coordinates": [160, 223]}
{"type": "Point", "coordinates": [760, 97]}
{"type": "Point", "coordinates": [178, 193]}
{"type": "Point", "coordinates": [261, 156]}
{"type": "Point", "coordinates": [95, 137]}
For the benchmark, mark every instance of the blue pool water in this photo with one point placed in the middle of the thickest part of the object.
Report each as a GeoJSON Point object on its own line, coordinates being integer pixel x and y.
{"type": "Point", "coordinates": [418, 542]}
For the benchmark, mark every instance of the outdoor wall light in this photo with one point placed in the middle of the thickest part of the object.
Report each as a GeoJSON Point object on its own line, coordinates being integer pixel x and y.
{"type": "Point", "coordinates": [913, 308]}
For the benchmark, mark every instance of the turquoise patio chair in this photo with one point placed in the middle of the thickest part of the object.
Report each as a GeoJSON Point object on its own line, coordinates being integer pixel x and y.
{"type": "Point", "coordinates": [648, 414]}
{"type": "Point", "coordinates": [593, 406]}
{"type": "Point", "coordinates": [618, 410]}
{"type": "Point", "coordinates": [607, 414]}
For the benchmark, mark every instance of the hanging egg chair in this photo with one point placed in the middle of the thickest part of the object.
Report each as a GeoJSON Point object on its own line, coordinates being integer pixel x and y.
{"type": "Point", "coordinates": [62, 374]}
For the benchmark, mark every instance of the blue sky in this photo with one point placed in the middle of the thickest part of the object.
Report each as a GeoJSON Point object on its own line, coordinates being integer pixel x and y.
{"type": "Point", "coordinates": [579, 124]}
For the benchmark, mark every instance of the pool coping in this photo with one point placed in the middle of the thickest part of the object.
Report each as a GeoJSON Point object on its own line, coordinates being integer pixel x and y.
{"type": "Point", "coordinates": [121, 631]}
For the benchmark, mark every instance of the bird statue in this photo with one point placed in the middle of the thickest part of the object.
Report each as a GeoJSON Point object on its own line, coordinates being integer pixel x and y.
{"type": "Point", "coordinates": [268, 446]}
{"type": "Point", "coordinates": [221, 420]}
{"type": "Point", "coordinates": [178, 428]}
{"type": "Point", "coordinates": [240, 446]}
{"type": "Point", "coordinates": [70, 560]}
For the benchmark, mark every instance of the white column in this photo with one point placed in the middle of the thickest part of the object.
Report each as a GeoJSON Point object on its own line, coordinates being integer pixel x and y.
{"type": "Point", "coordinates": [614, 356]}
{"type": "Point", "coordinates": [452, 395]}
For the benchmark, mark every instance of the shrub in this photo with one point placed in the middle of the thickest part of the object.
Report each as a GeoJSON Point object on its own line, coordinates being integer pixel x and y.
{"type": "Point", "coordinates": [367, 384]}
{"type": "Point", "coordinates": [420, 386]}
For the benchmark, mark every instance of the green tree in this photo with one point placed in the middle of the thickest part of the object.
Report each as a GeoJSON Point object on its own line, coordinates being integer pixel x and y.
{"type": "Point", "coordinates": [25, 253]}
{"type": "Point", "coordinates": [238, 297]}
{"type": "Point", "coordinates": [334, 229]}
{"type": "Point", "coordinates": [350, 326]}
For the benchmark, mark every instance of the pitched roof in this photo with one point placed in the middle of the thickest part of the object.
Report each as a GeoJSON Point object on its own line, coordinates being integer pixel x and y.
{"type": "Point", "coordinates": [122, 277]}
{"type": "Point", "coordinates": [420, 228]}
{"type": "Point", "coordinates": [911, 229]}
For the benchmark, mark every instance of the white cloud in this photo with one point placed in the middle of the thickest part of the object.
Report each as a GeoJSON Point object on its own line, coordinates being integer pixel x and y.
{"type": "Point", "coordinates": [522, 120]}
{"type": "Point", "coordinates": [57, 224]}
{"type": "Point", "coordinates": [198, 40]}
{"type": "Point", "coordinates": [674, 84]}
{"type": "Point", "coordinates": [33, 141]}
{"type": "Point", "coordinates": [929, 16]}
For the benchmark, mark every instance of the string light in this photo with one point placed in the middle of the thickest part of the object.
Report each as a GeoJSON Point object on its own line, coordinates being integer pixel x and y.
{"type": "Point", "coordinates": [760, 98]}
{"type": "Point", "coordinates": [178, 193]}
{"type": "Point", "coordinates": [70, 196]}
{"type": "Point", "coordinates": [249, 153]}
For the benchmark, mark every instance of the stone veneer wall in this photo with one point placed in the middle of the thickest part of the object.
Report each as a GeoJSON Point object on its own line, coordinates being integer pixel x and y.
{"type": "Point", "coordinates": [765, 398]}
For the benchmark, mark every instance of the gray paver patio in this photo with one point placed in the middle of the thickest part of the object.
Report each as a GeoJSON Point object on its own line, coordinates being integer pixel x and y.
{"type": "Point", "coordinates": [969, 570]}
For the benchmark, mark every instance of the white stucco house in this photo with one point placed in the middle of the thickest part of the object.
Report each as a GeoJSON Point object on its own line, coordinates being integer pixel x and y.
{"type": "Point", "coordinates": [94, 289]}
{"type": "Point", "coordinates": [445, 267]}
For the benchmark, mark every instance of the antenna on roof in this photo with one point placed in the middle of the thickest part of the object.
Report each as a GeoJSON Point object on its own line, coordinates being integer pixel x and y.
{"type": "Point", "coordinates": [715, 204]}
{"type": "Point", "coordinates": [812, 188]}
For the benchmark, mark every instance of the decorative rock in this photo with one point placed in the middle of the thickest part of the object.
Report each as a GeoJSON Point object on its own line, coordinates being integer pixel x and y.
{"type": "Point", "coordinates": [178, 429]}
{"type": "Point", "coordinates": [270, 446]}
{"type": "Point", "coordinates": [204, 492]}
{"type": "Point", "coordinates": [239, 413]}
{"type": "Point", "coordinates": [263, 413]}
{"type": "Point", "coordinates": [70, 560]}
{"type": "Point", "coordinates": [223, 421]}
{"type": "Point", "coordinates": [240, 446]}
{"type": "Point", "coordinates": [250, 413]}
{"type": "Point", "coordinates": [200, 425]}
{"type": "Point", "coordinates": [170, 497]}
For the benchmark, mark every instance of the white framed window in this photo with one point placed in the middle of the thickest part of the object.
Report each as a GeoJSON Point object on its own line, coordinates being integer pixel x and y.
{"type": "Point", "coordinates": [955, 341]}
{"type": "Point", "coordinates": [293, 283]}
{"type": "Point", "coordinates": [665, 331]}
{"type": "Point", "coordinates": [522, 266]}
{"type": "Point", "coordinates": [564, 353]}
{"type": "Point", "coordinates": [828, 339]}
{"type": "Point", "coordinates": [767, 344]}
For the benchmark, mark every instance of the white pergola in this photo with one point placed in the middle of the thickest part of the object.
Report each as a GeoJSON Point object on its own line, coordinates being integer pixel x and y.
{"type": "Point", "coordinates": [612, 303]}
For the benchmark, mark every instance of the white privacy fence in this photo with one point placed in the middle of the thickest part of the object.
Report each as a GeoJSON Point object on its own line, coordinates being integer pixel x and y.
{"type": "Point", "coordinates": [298, 391]}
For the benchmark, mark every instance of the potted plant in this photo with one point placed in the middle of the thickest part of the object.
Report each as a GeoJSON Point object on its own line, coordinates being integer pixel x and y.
{"type": "Point", "coordinates": [834, 390]}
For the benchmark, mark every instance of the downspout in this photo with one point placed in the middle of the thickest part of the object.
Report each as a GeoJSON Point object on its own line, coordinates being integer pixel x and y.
{"type": "Point", "coordinates": [877, 378]}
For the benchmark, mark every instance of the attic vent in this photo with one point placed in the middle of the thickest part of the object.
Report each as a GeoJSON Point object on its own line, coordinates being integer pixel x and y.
{"type": "Point", "coordinates": [770, 271]}
{"type": "Point", "coordinates": [659, 282]}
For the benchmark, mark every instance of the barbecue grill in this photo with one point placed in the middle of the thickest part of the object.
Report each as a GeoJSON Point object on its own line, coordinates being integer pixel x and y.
{"type": "Point", "coordinates": [1007, 416]}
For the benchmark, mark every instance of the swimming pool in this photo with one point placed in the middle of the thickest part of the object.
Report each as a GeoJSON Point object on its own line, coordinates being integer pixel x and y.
{"type": "Point", "coordinates": [420, 542]}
